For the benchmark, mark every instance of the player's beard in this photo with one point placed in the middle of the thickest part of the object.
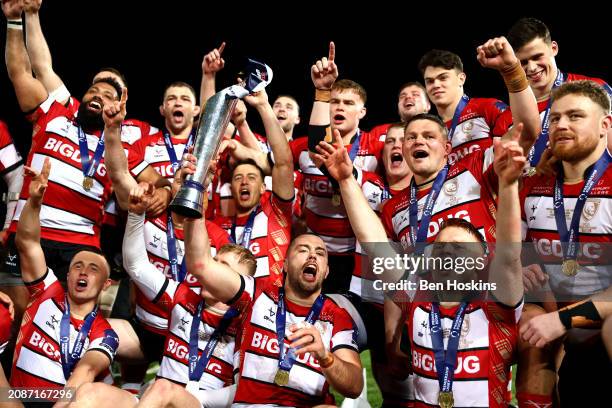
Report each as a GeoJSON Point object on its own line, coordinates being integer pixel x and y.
{"type": "Point", "coordinates": [89, 120]}
{"type": "Point", "coordinates": [576, 151]}
{"type": "Point", "coordinates": [305, 289]}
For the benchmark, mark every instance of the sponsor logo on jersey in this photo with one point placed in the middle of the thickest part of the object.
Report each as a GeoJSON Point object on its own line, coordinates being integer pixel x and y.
{"type": "Point", "coordinates": [264, 342]}
{"type": "Point", "coordinates": [47, 348]}
{"type": "Point", "coordinates": [70, 152]}
{"type": "Point", "coordinates": [426, 362]}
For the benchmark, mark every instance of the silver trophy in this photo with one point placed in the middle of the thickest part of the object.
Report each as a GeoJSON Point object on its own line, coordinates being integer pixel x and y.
{"type": "Point", "coordinates": [188, 201]}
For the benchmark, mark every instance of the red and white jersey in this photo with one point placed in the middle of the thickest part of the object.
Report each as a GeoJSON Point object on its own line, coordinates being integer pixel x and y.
{"type": "Point", "coordinates": [9, 156]}
{"type": "Point", "coordinates": [150, 314]}
{"type": "Point", "coordinates": [380, 132]}
{"type": "Point", "coordinates": [270, 236]}
{"type": "Point", "coordinates": [37, 361]}
{"type": "Point", "coordinates": [467, 193]}
{"type": "Point", "coordinates": [5, 326]}
{"type": "Point", "coordinates": [69, 213]}
{"type": "Point", "coordinates": [595, 233]}
{"type": "Point", "coordinates": [487, 345]}
{"type": "Point", "coordinates": [373, 187]}
{"type": "Point", "coordinates": [153, 149]}
{"type": "Point", "coordinates": [132, 130]}
{"type": "Point", "coordinates": [180, 302]}
{"type": "Point", "coordinates": [259, 352]}
{"type": "Point", "coordinates": [323, 218]}
{"type": "Point", "coordinates": [481, 121]}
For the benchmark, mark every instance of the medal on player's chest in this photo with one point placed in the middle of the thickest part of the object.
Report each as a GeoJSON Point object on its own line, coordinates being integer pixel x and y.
{"type": "Point", "coordinates": [569, 267]}
{"type": "Point", "coordinates": [445, 399]}
{"type": "Point", "coordinates": [530, 172]}
{"type": "Point", "coordinates": [336, 199]}
{"type": "Point", "coordinates": [281, 377]}
{"type": "Point", "coordinates": [87, 183]}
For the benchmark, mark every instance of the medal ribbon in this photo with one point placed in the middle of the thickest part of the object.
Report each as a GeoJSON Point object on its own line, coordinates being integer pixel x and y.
{"type": "Point", "coordinates": [178, 274]}
{"type": "Point", "coordinates": [89, 166]}
{"type": "Point", "coordinates": [593, 175]}
{"type": "Point", "coordinates": [286, 360]}
{"type": "Point", "coordinates": [248, 230]}
{"type": "Point", "coordinates": [458, 111]}
{"type": "Point", "coordinates": [170, 148]}
{"type": "Point", "coordinates": [197, 366]}
{"type": "Point", "coordinates": [420, 236]}
{"type": "Point", "coordinates": [355, 146]}
{"type": "Point", "coordinates": [536, 151]}
{"type": "Point", "coordinates": [446, 361]}
{"type": "Point", "coordinates": [69, 359]}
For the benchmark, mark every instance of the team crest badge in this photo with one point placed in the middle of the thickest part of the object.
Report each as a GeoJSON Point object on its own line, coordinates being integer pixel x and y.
{"type": "Point", "coordinates": [590, 209]}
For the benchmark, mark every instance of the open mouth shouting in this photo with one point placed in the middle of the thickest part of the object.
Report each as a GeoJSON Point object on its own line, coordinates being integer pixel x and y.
{"type": "Point", "coordinates": [178, 116]}
{"type": "Point", "coordinates": [81, 285]}
{"type": "Point", "coordinates": [396, 159]}
{"type": "Point", "coordinates": [420, 154]}
{"type": "Point", "coordinates": [339, 119]}
{"type": "Point", "coordinates": [244, 194]}
{"type": "Point", "coordinates": [309, 272]}
{"type": "Point", "coordinates": [95, 105]}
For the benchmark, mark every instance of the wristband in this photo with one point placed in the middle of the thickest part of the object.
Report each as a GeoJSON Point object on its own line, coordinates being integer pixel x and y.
{"type": "Point", "coordinates": [581, 315]}
{"type": "Point", "coordinates": [327, 361]}
{"type": "Point", "coordinates": [15, 24]}
{"type": "Point", "coordinates": [515, 78]}
{"type": "Point", "coordinates": [322, 95]}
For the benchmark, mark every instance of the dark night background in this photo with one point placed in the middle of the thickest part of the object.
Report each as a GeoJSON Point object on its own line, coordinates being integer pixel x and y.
{"type": "Point", "coordinates": [377, 44]}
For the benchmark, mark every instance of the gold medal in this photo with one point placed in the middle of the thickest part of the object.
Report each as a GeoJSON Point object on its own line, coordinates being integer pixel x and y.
{"type": "Point", "coordinates": [87, 183]}
{"type": "Point", "coordinates": [569, 267]}
{"type": "Point", "coordinates": [531, 171]}
{"type": "Point", "coordinates": [281, 377]}
{"type": "Point", "coordinates": [336, 200]}
{"type": "Point", "coordinates": [445, 399]}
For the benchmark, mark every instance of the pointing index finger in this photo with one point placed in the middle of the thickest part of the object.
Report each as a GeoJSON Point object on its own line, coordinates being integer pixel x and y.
{"type": "Point", "coordinates": [332, 51]}
{"type": "Point", "coordinates": [221, 47]}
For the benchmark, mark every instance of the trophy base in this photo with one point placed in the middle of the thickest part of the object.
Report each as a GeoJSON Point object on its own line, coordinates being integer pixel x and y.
{"type": "Point", "coordinates": [186, 209]}
{"type": "Point", "coordinates": [188, 203]}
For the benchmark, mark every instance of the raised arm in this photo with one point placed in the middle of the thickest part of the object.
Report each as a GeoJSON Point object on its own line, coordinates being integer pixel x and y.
{"type": "Point", "coordinates": [364, 221]}
{"type": "Point", "coordinates": [238, 120]}
{"type": "Point", "coordinates": [27, 240]}
{"type": "Point", "coordinates": [498, 54]}
{"type": "Point", "coordinates": [282, 171]}
{"type": "Point", "coordinates": [238, 151]}
{"type": "Point", "coordinates": [114, 155]}
{"type": "Point", "coordinates": [38, 49]}
{"type": "Point", "coordinates": [323, 73]}
{"type": "Point", "coordinates": [506, 268]}
{"type": "Point", "coordinates": [219, 279]}
{"type": "Point", "coordinates": [211, 64]}
{"type": "Point", "coordinates": [30, 91]}
{"type": "Point", "coordinates": [135, 259]}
